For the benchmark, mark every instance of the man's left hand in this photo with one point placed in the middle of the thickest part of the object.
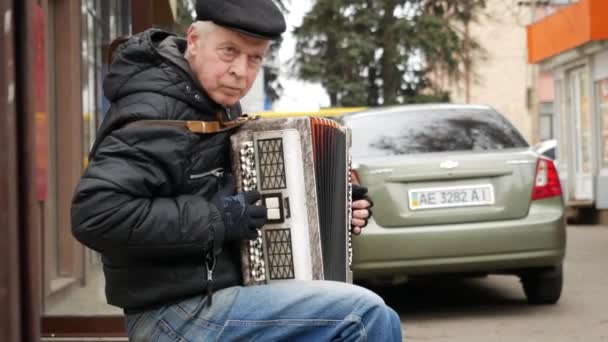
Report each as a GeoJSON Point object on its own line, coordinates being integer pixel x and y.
{"type": "Point", "coordinates": [360, 215]}
{"type": "Point", "coordinates": [361, 209]}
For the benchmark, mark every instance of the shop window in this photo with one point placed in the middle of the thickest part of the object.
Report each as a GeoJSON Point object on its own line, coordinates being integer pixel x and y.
{"type": "Point", "coordinates": [546, 121]}
{"type": "Point", "coordinates": [91, 66]}
{"type": "Point", "coordinates": [102, 22]}
{"type": "Point", "coordinates": [602, 91]}
{"type": "Point", "coordinates": [565, 138]}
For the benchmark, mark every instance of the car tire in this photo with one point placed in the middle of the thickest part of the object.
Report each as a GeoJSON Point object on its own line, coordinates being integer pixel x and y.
{"type": "Point", "coordinates": [543, 286]}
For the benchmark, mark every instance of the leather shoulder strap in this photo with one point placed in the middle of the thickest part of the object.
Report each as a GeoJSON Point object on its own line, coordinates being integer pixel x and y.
{"type": "Point", "coordinates": [198, 127]}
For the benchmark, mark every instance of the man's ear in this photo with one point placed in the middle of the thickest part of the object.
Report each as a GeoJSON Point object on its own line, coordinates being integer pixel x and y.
{"type": "Point", "coordinates": [192, 39]}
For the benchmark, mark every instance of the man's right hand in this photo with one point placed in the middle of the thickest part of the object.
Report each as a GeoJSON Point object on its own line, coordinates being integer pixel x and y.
{"type": "Point", "coordinates": [242, 217]}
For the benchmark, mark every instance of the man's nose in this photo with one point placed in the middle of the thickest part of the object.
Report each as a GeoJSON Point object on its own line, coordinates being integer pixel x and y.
{"type": "Point", "coordinates": [239, 66]}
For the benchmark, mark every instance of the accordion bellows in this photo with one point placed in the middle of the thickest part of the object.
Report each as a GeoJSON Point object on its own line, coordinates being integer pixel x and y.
{"type": "Point", "coordinates": [301, 166]}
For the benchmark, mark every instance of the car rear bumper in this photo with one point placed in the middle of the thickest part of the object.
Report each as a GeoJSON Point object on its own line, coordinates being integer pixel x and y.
{"type": "Point", "coordinates": [537, 240]}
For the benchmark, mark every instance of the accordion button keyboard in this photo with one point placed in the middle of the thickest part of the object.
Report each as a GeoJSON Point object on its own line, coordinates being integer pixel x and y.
{"type": "Point", "coordinates": [274, 214]}
{"type": "Point", "coordinates": [272, 203]}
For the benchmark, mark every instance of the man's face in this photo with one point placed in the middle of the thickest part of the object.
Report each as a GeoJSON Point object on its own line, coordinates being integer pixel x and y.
{"type": "Point", "coordinates": [226, 62]}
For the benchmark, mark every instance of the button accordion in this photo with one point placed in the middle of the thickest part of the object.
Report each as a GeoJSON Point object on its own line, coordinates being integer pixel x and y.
{"type": "Point", "coordinates": [301, 167]}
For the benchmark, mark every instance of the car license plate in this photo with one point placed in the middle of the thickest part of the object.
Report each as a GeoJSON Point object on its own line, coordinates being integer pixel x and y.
{"type": "Point", "coordinates": [450, 197]}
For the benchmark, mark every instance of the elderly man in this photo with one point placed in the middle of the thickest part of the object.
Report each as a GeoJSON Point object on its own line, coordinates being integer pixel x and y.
{"type": "Point", "coordinates": [159, 203]}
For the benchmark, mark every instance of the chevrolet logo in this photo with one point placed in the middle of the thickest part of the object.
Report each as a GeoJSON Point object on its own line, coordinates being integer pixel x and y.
{"type": "Point", "coordinates": [449, 164]}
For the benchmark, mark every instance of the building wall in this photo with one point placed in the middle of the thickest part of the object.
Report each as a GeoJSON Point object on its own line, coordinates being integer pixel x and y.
{"type": "Point", "coordinates": [600, 78]}
{"type": "Point", "coordinates": [578, 64]}
{"type": "Point", "coordinates": [500, 79]}
{"type": "Point", "coordinates": [71, 51]}
{"type": "Point", "coordinates": [11, 304]}
{"type": "Point", "coordinates": [581, 83]}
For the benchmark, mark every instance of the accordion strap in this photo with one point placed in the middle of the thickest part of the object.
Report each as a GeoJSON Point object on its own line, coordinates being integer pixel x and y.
{"type": "Point", "coordinates": [198, 127]}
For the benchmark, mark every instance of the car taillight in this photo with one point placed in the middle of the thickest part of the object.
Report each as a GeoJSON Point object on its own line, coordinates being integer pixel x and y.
{"type": "Point", "coordinates": [546, 181]}
{"type": "Point", "coordinates": [355, 177]}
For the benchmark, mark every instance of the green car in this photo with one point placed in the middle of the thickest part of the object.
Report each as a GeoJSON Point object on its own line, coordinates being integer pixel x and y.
{"type": "Point", "coordinates": [457, 190]}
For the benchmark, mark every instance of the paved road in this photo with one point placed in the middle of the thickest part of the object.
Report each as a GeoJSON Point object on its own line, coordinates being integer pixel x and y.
{"type": "Point", "coordinates": [494, 308]}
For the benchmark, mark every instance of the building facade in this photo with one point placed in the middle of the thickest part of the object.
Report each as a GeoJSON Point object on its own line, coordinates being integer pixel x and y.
{"type": "Point", "coordinates": [54, 58]}
{"type": "Point", "coordinates": [500, 75]}
{"type": "Point", "coordinates": [571, 45]}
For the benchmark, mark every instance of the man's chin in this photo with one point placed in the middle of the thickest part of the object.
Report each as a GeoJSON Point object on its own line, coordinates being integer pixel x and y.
{"type": "Point", "coordinates": [226, 100]}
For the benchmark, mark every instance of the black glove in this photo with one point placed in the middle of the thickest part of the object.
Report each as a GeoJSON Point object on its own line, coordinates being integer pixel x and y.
{"type": "Point", "coordinates": [241, 216]}
{"type": "Point", "coordinates": [360, 193]}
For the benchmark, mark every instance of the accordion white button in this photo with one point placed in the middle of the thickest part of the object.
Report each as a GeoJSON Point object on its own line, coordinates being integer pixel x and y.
{"type": "Point", "coordinates": [274, 214]}
{"type": "Point", "coordinates": [272, 202]}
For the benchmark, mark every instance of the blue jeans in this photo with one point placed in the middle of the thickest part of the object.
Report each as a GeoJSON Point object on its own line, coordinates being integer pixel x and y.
{"type": "Point", "coordinates": [291, 311]}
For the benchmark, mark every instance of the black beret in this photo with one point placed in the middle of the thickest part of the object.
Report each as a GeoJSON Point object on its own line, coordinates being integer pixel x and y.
{"type": "Point", "coordinates": [258, 18]}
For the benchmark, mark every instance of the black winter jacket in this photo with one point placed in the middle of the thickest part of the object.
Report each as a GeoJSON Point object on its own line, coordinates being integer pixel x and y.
{"type": "Point", "coordinates": [147, 200]}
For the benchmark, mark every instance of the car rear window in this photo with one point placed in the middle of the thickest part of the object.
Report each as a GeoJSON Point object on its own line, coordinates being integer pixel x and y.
{"type": "Point", "coordinates": [431, 130]}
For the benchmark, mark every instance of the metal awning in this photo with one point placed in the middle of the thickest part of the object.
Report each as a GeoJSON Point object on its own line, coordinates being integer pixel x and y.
{"type": "Point", "coordinates": [570, 27]}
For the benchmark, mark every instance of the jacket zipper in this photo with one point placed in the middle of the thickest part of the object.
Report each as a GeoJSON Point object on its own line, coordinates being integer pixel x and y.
{"type": "Point", "coordinates": [210, 255]}
{"type": "Point", "coordinates": [210, 261]}
{"type": "Point", "coordinates": [219, 172]}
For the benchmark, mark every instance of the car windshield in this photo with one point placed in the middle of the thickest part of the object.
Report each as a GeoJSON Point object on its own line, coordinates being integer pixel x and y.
{"type": "Point", "coordinates": [431, 130]}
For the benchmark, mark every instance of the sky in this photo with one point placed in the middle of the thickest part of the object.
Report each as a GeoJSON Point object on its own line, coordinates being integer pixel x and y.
{"type": "Point", "coordinates": [297, 95]}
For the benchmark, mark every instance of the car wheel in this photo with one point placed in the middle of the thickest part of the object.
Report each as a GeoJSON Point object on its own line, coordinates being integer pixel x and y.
{"type": "Point", "coordinates": [543, 287]}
